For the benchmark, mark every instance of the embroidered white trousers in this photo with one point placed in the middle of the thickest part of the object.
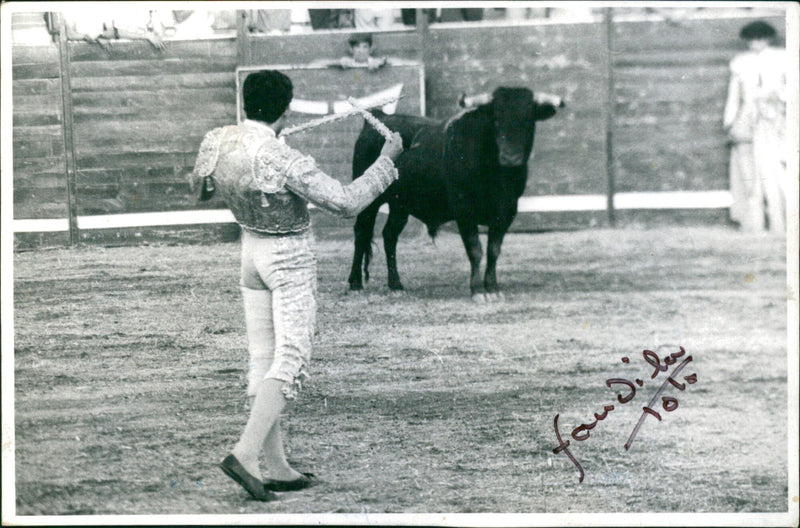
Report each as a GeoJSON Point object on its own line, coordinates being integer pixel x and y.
{"type": "Point", "coordinates": [279, 282]}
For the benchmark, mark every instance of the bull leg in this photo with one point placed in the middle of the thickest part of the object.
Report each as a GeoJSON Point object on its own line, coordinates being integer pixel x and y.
{"type": "Point", "coordinates": [363, 230]}
{"type": "Point", "coordinates": [391, 233]}
{"type": "Point", "coordinates": [493, 249]}
{"type": "Point", "coordinates": [472, 244]}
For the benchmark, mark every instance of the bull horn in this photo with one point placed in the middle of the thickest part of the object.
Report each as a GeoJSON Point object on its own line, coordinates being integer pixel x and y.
{"type": "Point", "coordinates": [466, 101]}
{"type": "Point", "coordinates": [545, 98]}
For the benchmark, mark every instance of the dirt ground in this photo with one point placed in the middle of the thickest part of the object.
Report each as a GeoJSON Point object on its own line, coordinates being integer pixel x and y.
{"type": "Point", "coordinates": [129, 379]}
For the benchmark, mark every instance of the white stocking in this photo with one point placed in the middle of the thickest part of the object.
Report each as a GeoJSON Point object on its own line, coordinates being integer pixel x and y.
{"type": "Point", "coordinates": [260, 335]}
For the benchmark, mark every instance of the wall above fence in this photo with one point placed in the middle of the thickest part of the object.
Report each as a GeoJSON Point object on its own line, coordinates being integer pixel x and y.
{"type": "Point", "coordinates": [139, 114]}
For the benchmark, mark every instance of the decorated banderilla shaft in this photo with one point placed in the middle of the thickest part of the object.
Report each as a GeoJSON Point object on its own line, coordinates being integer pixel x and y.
{"type": "Point", "coordinates": [357, 109]}
{"type": "Point", "coordinates": [371, 119]}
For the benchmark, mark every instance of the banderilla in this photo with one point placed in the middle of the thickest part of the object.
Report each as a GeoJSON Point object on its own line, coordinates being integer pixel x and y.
{"type": "Point", "coordinates": [357, 109]}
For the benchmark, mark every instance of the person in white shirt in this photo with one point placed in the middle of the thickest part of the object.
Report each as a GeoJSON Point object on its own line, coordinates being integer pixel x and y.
{"type": "Point", "coordinates": [755, 121]}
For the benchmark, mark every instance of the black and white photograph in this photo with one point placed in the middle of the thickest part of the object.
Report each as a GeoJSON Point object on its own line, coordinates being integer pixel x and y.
{"type": "Point", "coordinates": [400, 263]}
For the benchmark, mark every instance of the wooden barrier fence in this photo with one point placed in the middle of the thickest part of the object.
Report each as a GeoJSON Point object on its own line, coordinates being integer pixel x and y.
{"type": "Point", "coordinates": [639, 141]}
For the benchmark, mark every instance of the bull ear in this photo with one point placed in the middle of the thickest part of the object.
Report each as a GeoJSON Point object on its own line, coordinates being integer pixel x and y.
{"type": "Point", "coordinates": [540, 112]}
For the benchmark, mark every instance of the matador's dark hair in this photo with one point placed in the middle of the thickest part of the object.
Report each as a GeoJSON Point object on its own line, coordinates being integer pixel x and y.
{"type": "Point", "coordinates": [266, 95]}
{"type": "Point", "coordinates": [757, 31]}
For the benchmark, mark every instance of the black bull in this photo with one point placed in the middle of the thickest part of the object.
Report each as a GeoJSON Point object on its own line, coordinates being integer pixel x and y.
{"type": "Point", "coordinates": [471, 169]}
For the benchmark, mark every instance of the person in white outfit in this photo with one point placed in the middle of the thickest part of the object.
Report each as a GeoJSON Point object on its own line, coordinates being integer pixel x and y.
{"type": "Point", "coordinates": [755, 121]}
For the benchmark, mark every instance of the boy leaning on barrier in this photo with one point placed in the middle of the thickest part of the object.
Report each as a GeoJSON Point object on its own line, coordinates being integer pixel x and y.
{"type": "Point", "coordinates": [267, 184]}
{"type": "Point", "coordinates": [360, 56]}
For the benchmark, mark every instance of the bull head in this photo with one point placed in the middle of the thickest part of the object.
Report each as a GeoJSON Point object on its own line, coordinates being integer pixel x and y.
{"type": "Point", "coordinates": [514, 112]}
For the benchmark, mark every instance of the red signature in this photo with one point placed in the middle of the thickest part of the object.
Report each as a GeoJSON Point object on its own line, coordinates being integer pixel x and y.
{"type": "Point", "coordinates": [668, 403]}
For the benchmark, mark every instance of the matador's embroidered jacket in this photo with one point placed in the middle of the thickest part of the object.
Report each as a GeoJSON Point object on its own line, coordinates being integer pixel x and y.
{"type": "Point", "coordinates": [266, 184]}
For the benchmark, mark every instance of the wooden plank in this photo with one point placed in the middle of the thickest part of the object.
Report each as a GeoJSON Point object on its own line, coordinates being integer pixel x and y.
{"type": "Point", "coordinates": [36, 133]}
{"type": "Point", "coordinates": [534, 222]}
{"type": "Point", "coordinates": [184, 98]}
{"type": "Point", "coordinates": [26, 149]}
{"type": "Point", "coordinates": [29, 87]}
{"type": "Point", "coordinates": [635, 171]}
{"type": "Point", "coordinates": [675, 90]}
{"type": "Point", "coordinates": [677, 181]}
{"type": "Point", "coordinates": [143, 175]}
{"type": "Point", "coordinates": [671, 58]}
{"type": "Point", "coordinates": [151, 67]}
{"type": "Point", "coordinates": [50, 102]}
{"type": "Point", "coordinates": [35, 71]}
{"type": "Point", "coordinates": [37, 164]}
{"type": "Point", "coordinates": [667, 140]}
{"type": "Point", "coordinates": [40, 180]}
{"type": "Point", "coordinates": [52, 195]}
{"type": "Point", "coordinates": [131, 135]}
{"type": "Point", "coordinates": [25, 119]}
{"type": "Point", "coordinates": [219, 113]}
{"type": "Point", "coordinates": [21, 54]}
{"type": "Point", "coordinates": [675, 126]}
{"type": "Point", "coordinates": [224, 79]}
{"type": "Point", "coordinates": [138, 158]}
{"type": "Point", "coordinates": [713, 155]}
{"type": "Point", "coordinates": [637, 75]}
{"type": "Point", "coordinates": [686, 34]}
{"type": "Point", "coordinates": [121, 51]}
{"type": "Point", "coordinates": [41, 210]}
{"type": "Point", "coordinates": [301, 49]}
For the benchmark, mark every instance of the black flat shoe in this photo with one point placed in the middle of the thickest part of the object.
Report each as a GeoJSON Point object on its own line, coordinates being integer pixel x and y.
{"type": "Point", "coordinates": [231, 467]}
{"type": "Point", "coordinates": [306, 481]}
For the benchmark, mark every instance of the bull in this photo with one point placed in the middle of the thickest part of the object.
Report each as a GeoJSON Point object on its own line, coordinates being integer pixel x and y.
{"type": "Point", "coordinates": [471, 168]}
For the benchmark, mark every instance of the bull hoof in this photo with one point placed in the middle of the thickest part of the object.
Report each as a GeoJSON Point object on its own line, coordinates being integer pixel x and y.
{"type": "Point", "coordinates": [479, 298]}
{"type": "Point", "coordinates": [354, 291]}
{"type": "Point", "coordinates": [397, 293]}
{"type": "Point", "coordinates": [495, 297]}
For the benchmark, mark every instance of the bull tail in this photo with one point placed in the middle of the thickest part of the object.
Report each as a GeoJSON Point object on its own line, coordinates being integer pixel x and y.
{"type": "Point", "coordinates": [367, 258]}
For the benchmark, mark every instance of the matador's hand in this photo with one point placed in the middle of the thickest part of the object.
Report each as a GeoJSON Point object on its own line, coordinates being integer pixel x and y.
{"type": "Point", "coordinates": [394, 147]}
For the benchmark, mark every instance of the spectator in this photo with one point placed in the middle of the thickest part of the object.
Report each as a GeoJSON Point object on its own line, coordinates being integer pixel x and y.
{"type": "Point", "coordinates": [374, 18]}
{"type": "Point", "coordinates": [197, 24]}
{"type": "Point", "coordinates": [301, 21]}
{"type": "Point", "coordinates": [331, 18]}
{"type": "Point", "coordinates": [95, 28]}
{"type": "Point", "coordinates": [409, 16]}
{"type": "Point", "coordinates": [103, 24]}
{"type": "Point", "coordinates": [754, 119]}
{"type": "Point", "coordinates": [269, 21]}
{"type": "Point", "coordinates": [460, 15]}
{"type": "Point", "coordinates": [360, 55]}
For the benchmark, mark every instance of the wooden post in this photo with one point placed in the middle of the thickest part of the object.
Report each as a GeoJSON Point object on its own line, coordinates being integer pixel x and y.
{"type": "Point", "coordinates": [610, 103]}
{"type": "Point", "coordinates": [423, 38]}
{"type": "Point", "coordinates": [68, 130]}
{"type": "Point", "coordinates": [242, 39]}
